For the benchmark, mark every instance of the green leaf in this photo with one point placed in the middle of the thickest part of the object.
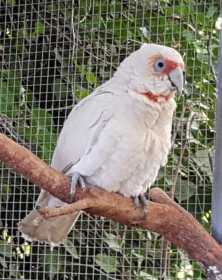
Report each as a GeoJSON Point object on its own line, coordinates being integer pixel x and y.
{"type": "Point", "coordinates": [3, 262]}
{"type": "Point", "coordinates": [89, 75]}
{"type": "Point", "coordinates": [10, 87]}
{"type": "Point", "coordinates": [80, 93]}
{"type": "Point", "coordinates": [211, 11]}
{"type": "Point", "coordinates": [52, 263]}
{"type": "Point", "coordinates": [14, 271]}
{"type": "Point", "coordinates": [201, 158]}
{"type": "Point", "coordinates": [146, 276]}
{"type": "Point", "coordinates": [107, 263]}
{"type": "Point", "coordinates": [5, 191]}
{"type": "Point", "coordinates": [139, 254]}
{"type": "Point", "coordinates": [186, 269]}
{"type": "Point", "coordinates": [6, 248]}
{"type": "Point", "coordinates": [69, 246]}
{"type": "Point", "coordinates": [91, 78]}
{"type": "Point", "coordinates": [11, 2]}
{"type": "Point", "coordinates": [188, 35]}
{"type": "Point", "coordinates": [206, 220]}
{"type": "Point", "coordinates": [184, 190]}
{"type": "Point", "coordinates": [113, 242]}
{"type": "Point", "coordinates": [27, 249]}
{"type": "Point", "coordinates": [39, 28]}
{"type": "Point", "coordinates": [40, 131]}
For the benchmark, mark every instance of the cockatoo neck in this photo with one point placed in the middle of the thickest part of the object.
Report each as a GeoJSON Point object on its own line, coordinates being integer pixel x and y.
{"type": "Point", "coordinates": [151, 90]}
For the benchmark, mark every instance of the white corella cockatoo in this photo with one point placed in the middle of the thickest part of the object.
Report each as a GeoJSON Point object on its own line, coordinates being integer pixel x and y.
{"type": "Point", "coordinates": [118, 137]}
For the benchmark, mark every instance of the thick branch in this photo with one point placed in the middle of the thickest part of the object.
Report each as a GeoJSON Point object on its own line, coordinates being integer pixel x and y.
{"type": "Point", "coordinates": [164, 215]}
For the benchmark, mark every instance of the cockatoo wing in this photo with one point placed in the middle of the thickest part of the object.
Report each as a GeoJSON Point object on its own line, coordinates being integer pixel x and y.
{"type": "Point", "coordinates": [80, 132]}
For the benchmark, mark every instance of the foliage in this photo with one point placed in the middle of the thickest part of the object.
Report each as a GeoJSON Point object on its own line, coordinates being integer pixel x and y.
{"type": "Point", "coordinates": [52, 54]}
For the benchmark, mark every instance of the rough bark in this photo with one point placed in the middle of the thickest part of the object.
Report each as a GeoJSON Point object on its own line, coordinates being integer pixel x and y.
{"type": "Point", "coordinates": [164, 216]}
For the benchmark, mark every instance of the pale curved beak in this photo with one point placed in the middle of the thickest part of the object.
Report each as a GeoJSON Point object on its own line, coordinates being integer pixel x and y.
{"type": "Point", "coordinates": [176, 78]}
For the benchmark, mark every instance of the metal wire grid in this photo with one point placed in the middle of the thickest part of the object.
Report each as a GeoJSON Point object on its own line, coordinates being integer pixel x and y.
{"type": "Point", "coordinates": [53, 53]}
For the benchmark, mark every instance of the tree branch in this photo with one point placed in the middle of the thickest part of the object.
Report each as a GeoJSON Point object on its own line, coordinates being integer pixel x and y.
{"type": "Point", "coordinates": [164, 216]}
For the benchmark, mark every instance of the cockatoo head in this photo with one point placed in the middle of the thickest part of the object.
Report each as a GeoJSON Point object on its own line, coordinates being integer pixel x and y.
{"type": "Point", "coordinates": [153, 73]}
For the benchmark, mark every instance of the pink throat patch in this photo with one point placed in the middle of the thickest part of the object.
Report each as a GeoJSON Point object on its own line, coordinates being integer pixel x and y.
{"type": "Point", "coordinates": [157, 97]}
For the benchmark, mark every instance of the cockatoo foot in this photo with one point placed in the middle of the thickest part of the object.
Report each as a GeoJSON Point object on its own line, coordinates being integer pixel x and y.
{"type": "Point", "coordinates": [142, 201]}
{"type": "Point", "coordinates": [76, 180]}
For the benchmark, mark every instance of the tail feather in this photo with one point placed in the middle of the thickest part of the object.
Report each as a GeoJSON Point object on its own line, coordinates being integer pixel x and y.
{"type": "Point", "coordinates": [51, 230]}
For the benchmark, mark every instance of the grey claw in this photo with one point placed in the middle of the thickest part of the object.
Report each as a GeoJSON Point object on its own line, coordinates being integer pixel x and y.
{"type": "Point", "coordinates": [76, 179]}
{"type": "Point", "coordinates": [142, 201]}
{"type": "Point", "coordinates": [74, 182]}
{"type": "Point", "coordinates": [38, 207]}
{"type": "Point", "coordinates": [136, 201]}
{"type": "Point", "coordinates": [82, 182]}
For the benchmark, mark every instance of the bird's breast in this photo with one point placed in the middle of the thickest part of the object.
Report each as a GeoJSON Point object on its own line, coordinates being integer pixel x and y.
{"type": "Point", "coordinates": [142, 148]}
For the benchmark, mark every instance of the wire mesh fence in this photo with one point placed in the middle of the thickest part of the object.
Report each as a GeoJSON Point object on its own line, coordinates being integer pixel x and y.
{"type": "Point", "coordinates": [54, 53]}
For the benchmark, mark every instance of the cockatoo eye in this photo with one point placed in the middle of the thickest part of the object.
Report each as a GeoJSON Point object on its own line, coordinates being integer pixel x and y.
{"type": "Point", "coordinates": [159, 65]}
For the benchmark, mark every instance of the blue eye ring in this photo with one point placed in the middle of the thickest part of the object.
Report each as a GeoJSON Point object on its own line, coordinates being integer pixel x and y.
{"type": "Point", "coordinates": [159, 65]}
